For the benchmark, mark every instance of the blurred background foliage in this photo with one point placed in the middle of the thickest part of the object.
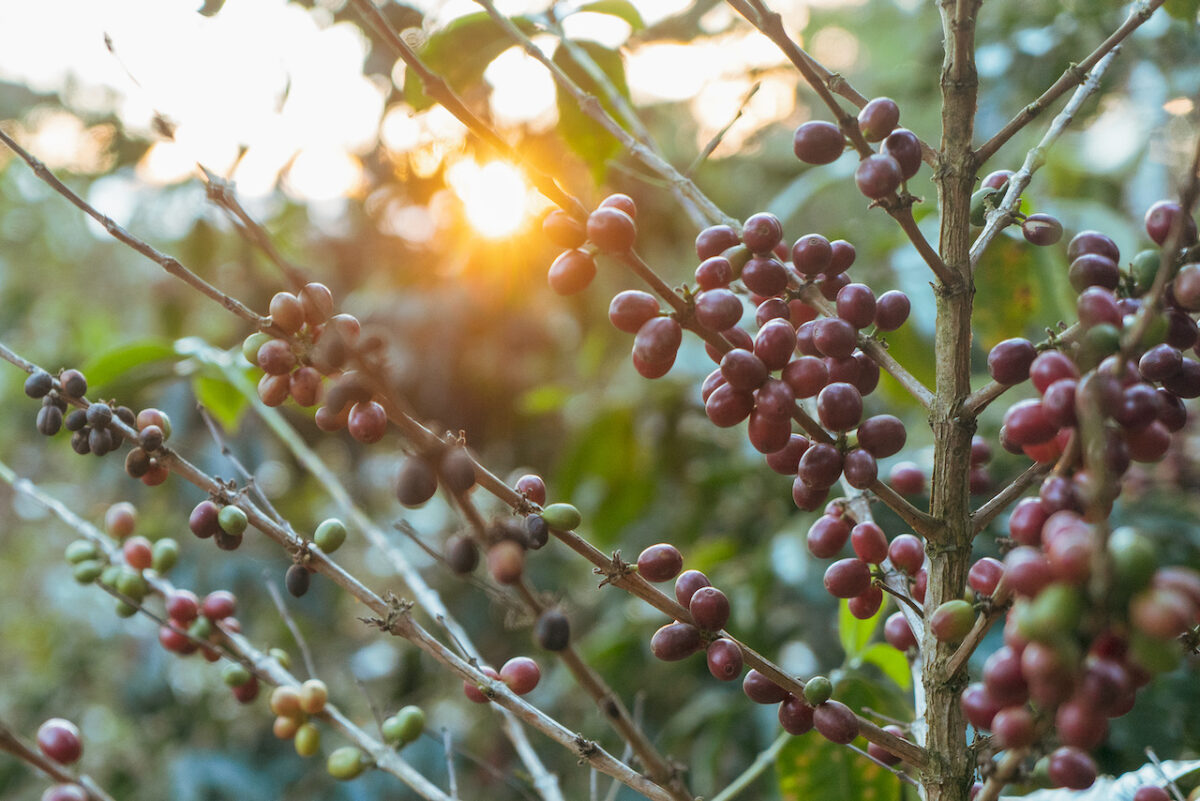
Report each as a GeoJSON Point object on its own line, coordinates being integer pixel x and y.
{"type": "Point", "coordinates": [334, 148]}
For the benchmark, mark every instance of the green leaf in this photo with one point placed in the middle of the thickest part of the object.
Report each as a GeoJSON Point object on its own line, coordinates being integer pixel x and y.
{"type": "Point", "coordinates": [616, 8]}
{"type": "Point", "coordinates": [460, 52]}
{"type": "Point", "coordinates": [1015, 288]}
{"type": "Point", "coordinates": [543, 399]}
{"type": "Point", "coordinates": [1183, 9]}
{"type": "Point", "coordinates": [221, 398]}
{"type": "Point", "coordinates": [810, 768]}
{"type": "Point", "coordinates": [893, 663]}
{"type": "Point", "coordinates": [854, 633]}
{"type": "Point", "coordinates": [584, 135]}
{"type": "Point", "coordinates": [112, 364]}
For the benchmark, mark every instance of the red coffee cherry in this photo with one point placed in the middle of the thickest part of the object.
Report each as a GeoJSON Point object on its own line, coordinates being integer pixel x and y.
{"type": "Point", "coordinates": [521, 674]}
{"type": "Point", "coordinates": [611, 230]}
{"type": "Point", "coordinates": [660, 562]}
{"type": "Point", "coordinates": [59, 740]}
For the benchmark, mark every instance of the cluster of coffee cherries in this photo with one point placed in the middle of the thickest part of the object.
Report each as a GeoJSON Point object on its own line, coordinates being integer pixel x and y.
{"type": "Point", "coordinates": [611, 228]}
{"type": "Point", "coordinates": [316, 343]}
{"type": "Point", "coordinates": [879, 174]}
{"type": "Point", "coordinates": [192, 621]}
{"type": "Point", "coordinates": [224, 523]}
{"type": "Point", "coordinates": [89, 563]}
{"type": "Point", "coordinates": [1038, 229]}
{"type": "Point", "coordinates": [520, 674]}
{"type": "Point", "coordinates": [329, 536]}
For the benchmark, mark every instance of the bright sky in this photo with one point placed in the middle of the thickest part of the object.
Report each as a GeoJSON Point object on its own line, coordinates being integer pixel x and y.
{"type": "Point", "coordinates": [285, 84]}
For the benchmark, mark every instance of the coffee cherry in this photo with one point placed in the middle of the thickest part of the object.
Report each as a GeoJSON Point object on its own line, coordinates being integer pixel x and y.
{"type": "Point", "coordinates": [762, 232]}
{"type": "Point", "coordinates": [820, 466]}
{"type": "Point", "coordinates": [1014, 727]}
{"type": "Point", "coordinates": [761, 690]}
{"type": "Point", "coordinates": [619, 200]}
{"type": "Point", "coordinates": [276, 357]}
{"type": "Point", "coordinates": [878, 176]}
{"type": "Point", "coordinates": [898, 633]}
{"type": "Point", "coordinates": [218, 605]}
{"type": "Point", "coordinates": [1071, 768]}
{"type": "Point", "coordinates": [521, 674]}
{"type": "Point", "coordinates": [765, 276]}
{"type": "Point", "coordinates": [630, 309]}
{"type": "Point", "coordinates": [99, 440]}
{"type": "Point", "coordinates": [562, 230]}
{"type": "Point", "coordinates": [865, 605]}
{"type": "Point", "coordinates": [137, 553]}
{"type": "Point", "coordinates": [985, 575]}
{"type": "Point", "coordinates": [716, 309]}
{"type": "Point", "coordinates": [403, 727]}
{"type": "Point", "coordinates": [1162, 215]}
{"type": "Point", "coordinates": [795, 715]}
{"type": "Point", "coordinates": [743, 370]}
{"type": "Point", "coordinates": [818, 142]}
{"type": "Point", "coordinates": [903, 146]}
{"type": "Point", "coordinates": [812, 255]}
{"type": "Point", "coordinates": [473, 691]}
{"type": "Point", "coordinates": [878, 118]}
{"type": "Point", "coordinates": [856, 305]}
{"type": "Point", "coordinates": [1151, 793]}
{"type": "Point", "coordinates": [273, 390]}
{"type": "Point", "coordinates": [562, 516]}
{"type": "Point", "coordinates": [834, 337]}
{"type": "Point", "coordinates": [724, 660]}
{"type": "Point", "coordinates": [687, 584]}
{"type": "Point", "coordinates": [952, 621]}
{"type": "Point", "coordinates": [869, 542]}
{"type": "Point", "coordinates": [330, 535]}
{"type": "Point", "coordinates": [675, 641]}
{"type": "Point", "coordinates": [286, 312]}
{"type": "Point", "coordinates": [305, 736]}
{"type": "Point", "coordinates": [660, 562]}
{"type": "Point", "coordinates": [891, 310]}
{"type": "Point", "coordinates": [775, 343]}
{"type": "Point", "coordinates": [1042, 230]}
{"type": "Point", "coordinates": [657, 341]}
{"type": "Point", "coordinates": [611, 230]}
{"type": "Point", "coordinates": [839, 407]}
{"type": "Point", "coordinates": [346, 763]}
{"type": "Point", "coordinates": [120, 520]}
{"type": "Point", "coordinates": [552, 630]}
{"type": "Point", "coordinates": [818, 690]}
{"type": "Point", "coordinates": [710, 608]}
{"type": "Point", "coordinates": [907, 554]}
{"type": "Point", "coordinates": [885, 756]}
{"type": "Point", "coordinates": [1009, 361]}
{"type": "Point", "coordinates": [59, 740]}
{"type": "Point", "coordinates": [49, 420]}
{"type": "Point", "coordinates": [416, 483]}
{"type": "Point", "coordinates": [313, 696]}
{"type": "Point", "coordinates": [457, 470]}
{"type": "Point", "coordinates": [827, 536]}
{"type": "Point", "coordinates": [835, 722]}
{"type": "Point", "coordinates": [727, 406]}
{"type": "Point", "coordinates": [65, 792]}
{"type": "Point", "coordinates": [73, 384]}
{"type": "Point", "coordinates": [571, 272]}
{"type": "Point", "coordinates": [297, 579]}
{"type": "Point", "coordinates": [882, 435]}
{"type": "Point", "coordinates": [907, 479]}
{"type": "Point", "coordinates": [506, 561]}
{"type": "Point", "coordinates": [38, 384]}
{"type": "Point", "coordinates": [715, 240]}
{"type": "Point", "coordinates": [232, 520]}
{"type": "Point", "coordinates": [847, 578]}
{"type": "Point", "coordinates": [461, 553]}
{"type": "Point", "coordinates": [75, 420]}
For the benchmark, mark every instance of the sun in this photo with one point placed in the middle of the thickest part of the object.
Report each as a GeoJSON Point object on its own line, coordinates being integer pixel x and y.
{"type": "Point", "coordinates": [495, 196]}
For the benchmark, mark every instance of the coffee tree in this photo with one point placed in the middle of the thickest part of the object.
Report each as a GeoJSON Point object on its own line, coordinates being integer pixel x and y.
{"type": "Point", "coordinates": [987, 595]}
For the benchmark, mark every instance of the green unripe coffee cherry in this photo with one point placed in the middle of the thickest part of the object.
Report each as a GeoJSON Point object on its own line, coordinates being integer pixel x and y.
{"type": "Point", "coordinates": [405, 726]}
{"type": "Point", "coordinates": [1143, 268]}
{"type": "Point", "coordinates": [346, 763]}
{"type": "Point", "coordinates": [1134, 560]}
{"type": "Point", "coordinates": [1154, 655]}
{"type": "Point", "coordinates": [232, 520]}
{"type": "Point", "coordinates": [308, 741]}
{"type": "Point", "coordinates": [562, 516]}
{"type": "Point", "coordinates": [131, 584]}
{"type": "Point", "coordinates": [165, 555]}
{"type": "Point", "coordinates": [952, 620]}
{"type": "Point", "coordinates": [87, 571]}
{"type": "Point", "coordinates": [235, 675]}
{"type": "Point", "coordinates": [330, 535]}
{"type": "Point", "coordinates": [817, 690]}
{"type": "Point", "coordinates": [109, 575]}
{"type": "Point", "coordinates": [1054, 612]}
{"type": "Point", "coordinates": [738, 256]}
{"type": "Point", "coordinates": [281, 656]}
{"type": "Point", "coordinates": [201, 628]}
{"type": "Point", "coordinates": [981, 202]}
{"type": "Point", "coordinates": [81, 551]}
{"type": "Point", "coordinates": [126, 609]}
{"type": "Point", "coordinates": [251, 344]}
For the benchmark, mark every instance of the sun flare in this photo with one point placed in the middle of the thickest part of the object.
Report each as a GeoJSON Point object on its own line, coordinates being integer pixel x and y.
{"type": "Point", "coordinates": [495, 196]}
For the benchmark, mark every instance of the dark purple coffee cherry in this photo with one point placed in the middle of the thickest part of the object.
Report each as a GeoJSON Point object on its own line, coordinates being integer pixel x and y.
{"type": "Point", "coordinates": [552, 630]}
{"type": "Point", "coordinates": [762, 232]}
{"type": "Point", "coordinates": [820, 466]}
{"type": "Point", "coordinates": [675, 641]}
{"type": "Point", "coordinates": [812, 255]}
{"type": "Point", "coordinates": [807, 497]}
{"type": "Point", "coordinates": [1150, 792]}
{"type": "Point", "coordinates": [775, 343]}
{"type": "Point", "coordinates": [629, 310]}
{"type": "Point", "coordinates": [73, 384]}
{"type": "Point", "coordinates": [827, 536]}
{"type": "Point", "coordinates": [869, 542]}
{"type": "Point", "coordinates": [761, 690]}
{"type": "Point", "coordinates": [765, 276]}
{"type": "Point", "coordinates": [1027, 423]}
{"type": "Point", "coordinates": [834, 337]}
{"type": "Point", "coordinates": [795, 715]}
{"type": "Point", "coordinates": [658, 341]}
{"type": "Point", "coordinates": [891, 310]}
{"type": "Point", "coordinates": [1096, 306]}
{"type": "Point", "coordinates": [571, 272]}
{"type": "Point", "coordinates": [59, 740]}
{"type": "Point", "coordinates": [715, 240]}
{"type": "Point", "coordinates": [878, 118]}
{"type": "Point", "coordinates": [1092, 269]}
{"type": "Point", "coordinates": [710, 608]}
{"type": "Point", "coordinates": [49, 420]}
{"type": "Point", "coordinates": [461, 553]}
{"type": "Point", "coordinates": [562, 230]}
{"type": "Point", "coordinates": [898, 633]}
{"type": "Point", "coordinates": [818, 142]}
{"type": "Point", "coordinates": [856, 305]}
{"type": "Point", "coordinates": [847, 578]}
{"type": "Point", "coordinates": [1009, 361]}
{"type": "Point", "coordinates": [1162, 215]}
{"type": "Point", "coordinates": [860, 468]}
{"type": "Point", "coordinates": [724, 660]}
{"type": "Point", "coordinates": [1093, 242]}
{"type": "Point", "coordinates": [882, 435]}
{"type": "Point", "coordinates": [903, 146]}
{"type": "Point", "coordinates": [835, 722]}
{"type": "Point", "coordinates": [297, 580]}
{"type": "Point", "coordinates": [727, 406]}
{"type": "Point", "coordinates": [717, 309]}
{"type": "Point", "coordinates": [611, 230]}
{"type": "Point", "coordinates": [686, 585]}
{"type": "Point", "coordinates": [1042, 230]}
{"type": "Point", "coordinates": [660, 562]}
{"type": "Point", "coordinates": [907, 554]}
{"type": "Point", "coordinates": [839, 407]}
{"type": "Point", "coordinates": [878, 176]}
{"type": "Point", "coordinates": [714, 273]}
{"type": "Point", "coordinates": [38, 384]}
{"type": "Point", "coordinates": [806, 376]}
{"type": "Point", "coordinates": [1071, 768]}
{"type": "Point", "coordinates": [416, 483]}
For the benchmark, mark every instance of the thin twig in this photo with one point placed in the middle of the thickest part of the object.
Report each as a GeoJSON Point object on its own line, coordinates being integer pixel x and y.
{"type": "Point", "coordinates": [448, 748]}
{"type": "Point", "coordinates": [1004, 213]}
{"type": "Point", "coordinates": [168, 263]}
{"type": "Point", "coordinates": [214, 431]}
{"type": "Point", "coordinates": [1158, 766]}
{"type": "Point", "coordinates": [1007, 494]}
{"type": "Point", "coordinates": [1003, 773]}
{"type": "Point", "coordinates": [290, 622]}
{"type": "Point", "coordinates": [978, 631]}
{"type": "Point", "coordinates": [715, 141]}
{"type": "Point", "coordinates": [1073, 76]}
